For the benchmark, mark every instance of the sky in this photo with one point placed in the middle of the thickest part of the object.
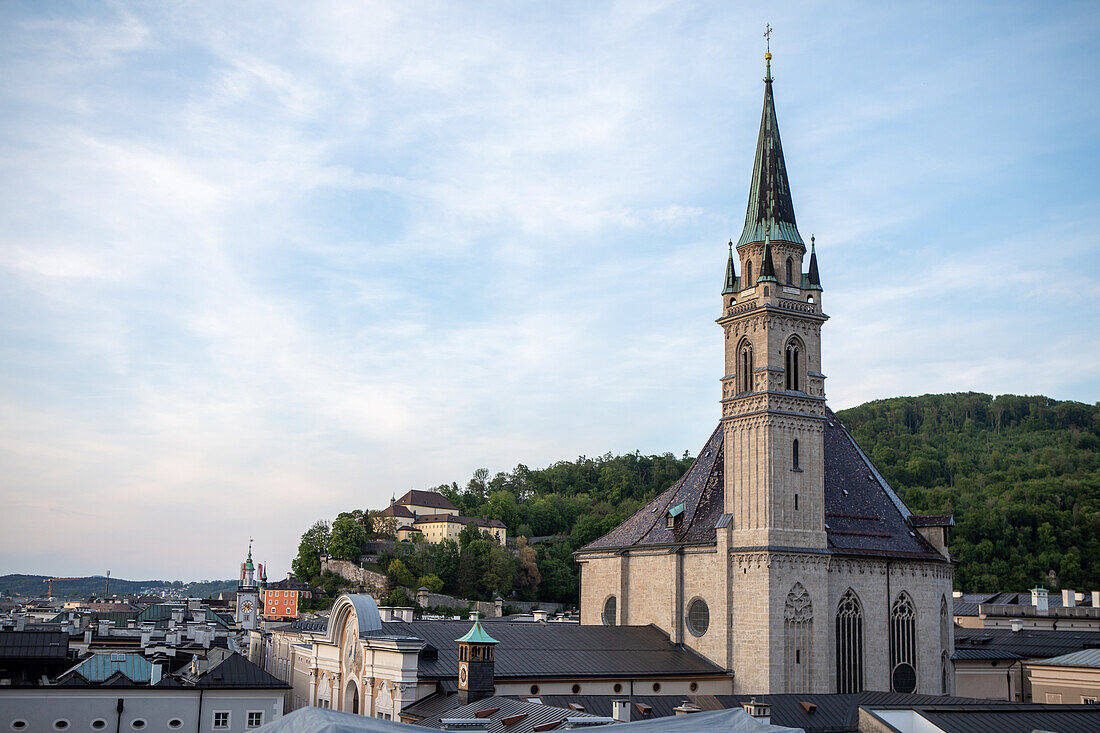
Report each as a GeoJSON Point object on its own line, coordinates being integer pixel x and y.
{"type": "Point", "coordinates": [261, 263]}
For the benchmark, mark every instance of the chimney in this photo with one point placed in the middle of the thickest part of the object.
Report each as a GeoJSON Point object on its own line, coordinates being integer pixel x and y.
{"type": "Point", "coordinates": [686, 708]}
{"type": "Point", "coordinates": [1016, 624]}
{"type": "Point", "coordinates": [539, 614]}
{"type": "Point", "coordinates": [956, 594]}
{"type": "Point", "coordinates": [1039, 599]}
{"type": "Point", "coordinates": [473, 614]}
{"type": "Point", "coordinates": [1096, 599]}
{"type": "Point", "coordinates": [620, 710]}
{"type": "Point", "coordinates": [1069, 599]}
{"type": "Point", "coordinates": [405, 613]}
{"type": "Point", "coordinates": [761, 711]}
{"type": "Point", "coordinates": [156, 672]}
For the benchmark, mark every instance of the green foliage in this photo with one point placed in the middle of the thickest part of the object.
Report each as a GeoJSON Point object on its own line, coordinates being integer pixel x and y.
{"type": "Point", "coordinates": [398, 597]}
{"type": "Point", "coordinates": [314, 543]}
{"type": "Point", "coordinates": [33, 586]}
{"type": "Point", "coordinates": [432, 582]}
{"type": "Point", "coordinates": [347, 537]}
{"type": "Point", "coordinates": [399, 575]}
{"type": "Point", "coordinates": [1021, 475]}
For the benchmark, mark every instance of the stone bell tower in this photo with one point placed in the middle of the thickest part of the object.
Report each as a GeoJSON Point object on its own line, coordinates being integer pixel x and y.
{"type": "Point", "coordinates": [773, 394]}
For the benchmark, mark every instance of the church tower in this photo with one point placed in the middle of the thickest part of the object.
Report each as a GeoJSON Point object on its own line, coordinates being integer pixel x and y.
{"type": "Point", "coordinates": [248, 595]}
{"type": "Point", "coordinates": [773, 394]}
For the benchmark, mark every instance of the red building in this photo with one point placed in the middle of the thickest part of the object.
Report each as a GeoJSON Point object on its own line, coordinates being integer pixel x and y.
{"type": "Point", "coordinates": [281, 600]}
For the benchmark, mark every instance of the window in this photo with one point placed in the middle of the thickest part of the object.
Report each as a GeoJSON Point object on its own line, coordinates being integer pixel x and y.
{"type": "Point", "coordinates": [698, 617]}
{"type": "Point", "coordinates": [849, 644]}
{"type": "Point", "coordinates": [255, 718]}
{"type": "Point", "coordinates": [1054, 697]}
{"type": "Point", "coordinates": [693, 686]}
{"type": "Point", "coordinates": [61, 724]}
{"type": "Point", "coordinates": [748, 273]}
{"type": "Point", "coordinates": [903, 645]}
{"type": "Point", "coordinates": [618, 687]}
{"type": "Point", "coordinates": [137, 724]}
{"type": "Point", "coordinates": [221, 719]}
{"type": "Point", "coordinates": [534, 689]}
{"type": "Point", "coordinates": [610, 608]}
{"type": "Point", "coordinates": [745, 364]}
{"type": "Point", "coordinates": [793, 352]}
{"type": "Point", "coordinates": [18, 725]}
{"type": "Point", "coordinates": [576, 689]}
{"type": "Point", "coordinates": [175, 723]}
{"type": "Point", "coordinates": [790, 270]}
{"type": "Point", "coordinates": [945, 648]}
{"type": "Point", "coordinates": [794, 457]}
{"type": "Point", "coordinates": [100, 724]}
{"type": "Point", "coordinates": [656, 686]}
{"type": "Point", "coordinates": [796, 502]}
{"type": "Point", "coordinates": [798, 624]}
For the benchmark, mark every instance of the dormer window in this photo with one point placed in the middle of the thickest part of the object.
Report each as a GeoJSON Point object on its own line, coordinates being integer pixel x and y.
{"type": "Point", "coordinates": [672, 519]}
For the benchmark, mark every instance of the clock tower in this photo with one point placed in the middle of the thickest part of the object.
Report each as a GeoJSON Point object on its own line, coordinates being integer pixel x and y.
{"type": "Point", "coordinates": [475, 665]}
{"type": "Point", "coordinates": [248, 595]}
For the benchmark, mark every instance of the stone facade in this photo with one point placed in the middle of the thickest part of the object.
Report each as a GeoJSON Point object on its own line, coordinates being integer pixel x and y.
{"type": "Point", "coordinates": [764, 589]}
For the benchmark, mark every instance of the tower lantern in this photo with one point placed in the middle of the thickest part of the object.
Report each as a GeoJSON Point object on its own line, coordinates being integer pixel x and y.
{"type": "Point", "coordinates": [475, 664]}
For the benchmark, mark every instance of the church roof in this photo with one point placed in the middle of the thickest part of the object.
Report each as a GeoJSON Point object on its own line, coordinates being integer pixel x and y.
{"type": "Point", "coordinates": [863, 514]}
{"type": "Point", "coordinates": [770, 208]}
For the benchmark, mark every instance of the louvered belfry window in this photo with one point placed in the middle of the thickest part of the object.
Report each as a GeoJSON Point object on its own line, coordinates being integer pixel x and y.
{"type": "Point", "coordinates": [849, 644]}
{"type": "Point", "coordinates": [903, 645]}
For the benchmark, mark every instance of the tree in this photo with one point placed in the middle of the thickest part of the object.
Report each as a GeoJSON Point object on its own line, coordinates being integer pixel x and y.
{"type": "Point", "coordinates": [314, 543]}
{"type": "Point", "coordinates": [527, 576]}
{"type": "Point", "coordinates": [399, 575]}
{"type": "Point", "coordinates": [432, 582]}
{"type": "Point", "coordinates": [347, 538]}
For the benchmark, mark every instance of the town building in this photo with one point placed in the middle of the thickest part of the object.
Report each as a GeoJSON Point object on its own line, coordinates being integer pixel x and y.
{"type": "Point", "coordinates": [782, 555]}
{"type": "Point", "coordinates": [356, 662]}
{"type": "Point", "coordinates": [281, 600]}
{"type": "Point", "coordinates": [997, 663]}
{"type": "Point", "coordinates": [1036, 609]}
{"type": "Point", "coordinates": [1069, 678]}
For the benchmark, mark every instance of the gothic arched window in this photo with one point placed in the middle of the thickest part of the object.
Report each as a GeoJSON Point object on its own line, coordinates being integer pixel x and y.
{"type": "Point", "coordinates": [794, 455]}
{"type": "Point", "coordinates": [748, 273]}
{"type": "Point", "coordinates": [849, 644]}
{"type": "Point", "coordinates": [798, 623]}
{"type": "Point", "coordinates": [744, 364]}
{"type": "Point", "coordinates": [903, 645]}
{"type": "Point", "coordinates": [793, 364]}
{"type": "Point", "coordinates": [945, 648]}
{"type": "Point", "coordinates": [790, 271]}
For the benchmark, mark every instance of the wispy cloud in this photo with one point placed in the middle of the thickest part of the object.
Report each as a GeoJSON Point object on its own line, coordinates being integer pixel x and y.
{"type": "Point", "coordinates": [260, 265]}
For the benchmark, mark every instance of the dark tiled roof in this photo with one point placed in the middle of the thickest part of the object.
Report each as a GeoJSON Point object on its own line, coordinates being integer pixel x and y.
{"type": "Point", "coordinates": [1026, 643]}
{"type": "Point", "coordinates": [526, 716]}
{"type": "Point", "coordinates": [289, 584]}
{"type": "Point", "coordinates": [995, 718]}
{"type": "Point", "coordinates": [529, 650]}
{"type": "Point", "coordinates": [237, 672]}
{"type": "Point", "coordinates": [314, 625]}
{"type": "Point", "coordinates": [479, 521]}
{"type": "Point", "coordinates": [863, 515]}
{"type": "Point", "coordinates": [432, 499]}
{"type": "Point", "coordinates": [396, 510]}
{"type": "Point", "coordinates": [934, 520]}
{"type": "Point", "coordinates": [34, 645]}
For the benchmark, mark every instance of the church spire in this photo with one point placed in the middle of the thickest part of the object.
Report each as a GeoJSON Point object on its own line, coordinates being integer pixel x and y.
{"type": "Point", "coordinates": [770, 192]}
{"type": "Point", "coordinates": [767, 267]}
{"type": "Point", "coordinates": [731, 274]}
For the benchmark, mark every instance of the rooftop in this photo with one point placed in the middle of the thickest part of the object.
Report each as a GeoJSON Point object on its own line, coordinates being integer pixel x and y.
{"type": "Point", "coordinates": [432, 499]}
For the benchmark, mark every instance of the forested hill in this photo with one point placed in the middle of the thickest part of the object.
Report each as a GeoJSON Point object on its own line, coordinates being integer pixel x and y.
{"type": "Point", "coordinates": [74, 588]}
{"type": "Point", "coordinates": [1020, 474]}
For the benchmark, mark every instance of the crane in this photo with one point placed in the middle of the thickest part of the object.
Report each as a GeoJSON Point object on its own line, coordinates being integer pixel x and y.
{"type": "Point", "coordinates": [51, 580]}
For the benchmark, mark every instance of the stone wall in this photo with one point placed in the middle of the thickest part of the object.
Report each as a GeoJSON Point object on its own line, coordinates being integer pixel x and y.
{"type": "Point", "coordinates": [489, 609]}
{"type": "Point", "coordinates": [374, 583]}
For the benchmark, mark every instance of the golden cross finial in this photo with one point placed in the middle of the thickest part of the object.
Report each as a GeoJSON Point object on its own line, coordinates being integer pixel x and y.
{"type": "Point", "coordinates": [768, 35]}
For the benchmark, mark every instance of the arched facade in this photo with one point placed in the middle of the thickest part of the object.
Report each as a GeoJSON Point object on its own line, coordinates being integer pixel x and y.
{"type": "Point", "coordinates": [798, 628]}
{"type": "Point", "coordinates": [745, 366]}
{"type": "Point", "coordinates": [849, 643]}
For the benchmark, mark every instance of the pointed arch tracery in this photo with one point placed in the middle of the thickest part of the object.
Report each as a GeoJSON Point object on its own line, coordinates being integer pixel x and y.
{"type": "Point", "coordinates": [790, 271]}
{"type": "Point", "coordinates": [946, 674]}
{"type": "Point", "coordinates": [849, 643]}
{"type": "Point", "coordinates": [793, 353]}
{"type": "Point", "coordinates": [903, 644]}
{"type": "Point", "coordinates": [798, 623]}
{"type": "Point", "coordinates": [744, 366]}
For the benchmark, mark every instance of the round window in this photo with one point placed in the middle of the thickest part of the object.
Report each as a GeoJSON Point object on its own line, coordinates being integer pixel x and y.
{"type": "Point", "coordinates": [18, 725]}
{"type": "Point", "coordinates": [610, 608]}
{"type": "Point", "coordinates": [99, 724]}
{"type": "Point", "coordinates": [618, 687]}
{"type": "Point", "coordinates": [694, 686]}
{"type": "Point", "coordinates": [904, 678]}
{"type": "Point", "coordinates": [698, 617]}
{"type": "Point", "coordinates": [576, 689]}
{"type": "Point", "coordinates": [138, 724]}
{"type": "Point", "coordinates": [61, 724]}
{"type": "Point", "coordinates": [656, 686]}
{"type": "Point", "coordinates": [175, 723]}
{"type": "Point", "coordinates": [534, 689]}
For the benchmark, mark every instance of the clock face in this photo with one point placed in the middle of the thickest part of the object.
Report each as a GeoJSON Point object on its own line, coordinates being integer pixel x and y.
{"type": "Point", "coordinates": [463, 674]}
{"type": "Point", "coordinates": [247, 606]}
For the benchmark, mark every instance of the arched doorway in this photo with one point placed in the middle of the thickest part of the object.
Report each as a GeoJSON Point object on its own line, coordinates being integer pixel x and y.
{"type": "Point", "coordinates": [351, 698]}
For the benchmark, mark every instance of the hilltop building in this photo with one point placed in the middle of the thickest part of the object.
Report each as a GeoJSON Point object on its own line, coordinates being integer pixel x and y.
{"type": "Point", "coordinates": [429, 515]}
{"type": "Point", "coordinates": [782, 555]}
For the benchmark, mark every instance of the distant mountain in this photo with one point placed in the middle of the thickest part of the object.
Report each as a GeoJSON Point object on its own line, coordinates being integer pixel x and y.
{"type": "Point", "coordinates": [35, 586]}
{"type": "Point", "coordinates": [1021, 475]}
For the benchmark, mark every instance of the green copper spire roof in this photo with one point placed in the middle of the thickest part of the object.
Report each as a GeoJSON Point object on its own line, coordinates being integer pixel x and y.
{"type": "Point", "coordinates": [248, 563]}
{"type": "Point", "coordinates": [814, 278]}
{"type": "Point", "coordinates": [767, 268]}
{"type": "Point", "coordinates": [770, 206]}
{"type": "Point", "coordinates": [731, 274]}
{"type": "Point", "coordinates": [476, 635]}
